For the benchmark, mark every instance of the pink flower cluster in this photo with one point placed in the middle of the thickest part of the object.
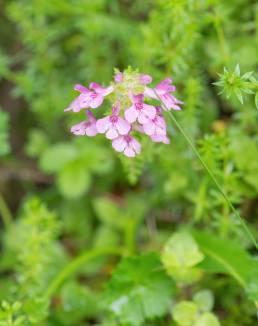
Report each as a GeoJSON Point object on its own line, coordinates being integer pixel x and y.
{"type": "Point", "coordinates": [129, 112]}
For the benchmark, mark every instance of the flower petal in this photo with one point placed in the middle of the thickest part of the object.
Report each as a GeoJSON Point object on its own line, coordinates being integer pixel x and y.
{"type": "Point", "coordinates": [131, 114]}
{"type": "Point", "coordinates": [102, 125]}
{"type": "Point", "coordinates": [149, 128]}
{"type": "Point", "coordinates": [96, 102]}
{"type": "Point", "coordinates": [129, 152]}
{"type": "Point", "coordinates": [119, 144]}
{"type": "Point", "coordinates": [145, 79]}
{"type": "Point", "coordinates": [119, 77]}
{"type": "Point", "coordinates": [91, 131]}
{"type": "Point", "coordinates": [112, 133]}
{"type": "Point", "coordinates": [135, 145]}
{"type": "Point", "coordinates": [149, 92]}
{"type": "Point", "coordinates": [80, 88]}
{"type": "Point", "coordinates": [123, 126]}
{"type": "Point", "coordinates": [149, 111]}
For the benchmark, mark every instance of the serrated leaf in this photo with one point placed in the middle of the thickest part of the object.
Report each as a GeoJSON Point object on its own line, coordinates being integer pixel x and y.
{"type": "Point", "coordinates": [139, 290]}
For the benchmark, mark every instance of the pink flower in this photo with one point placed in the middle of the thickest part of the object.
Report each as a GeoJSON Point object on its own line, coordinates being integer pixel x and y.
{"type": "Point", "coordinates": [155, 126]}
{"type": "Point", "coordinates": [87, 128]}
{"type": "Point", "coordinates": [145, 79]}
{"type": "Point", "coordinates": [97, 94]}
{"type": "Point", "coordinates": [127, 144]}
{"type": "Point", "coordinates": [113, 125]}
{"type": "Point", "coordinates": [162, 92]}
{"type": "Point", "coordinates": [92, 97]}
{"type": "Point", "coordinates": [139, 110]}
{"type": "Point", "coordinates": [119, 77]}
{"type": "Point", "coordinates": [160, 139]}
{"type": "Point", "coordinates": [81, 101]}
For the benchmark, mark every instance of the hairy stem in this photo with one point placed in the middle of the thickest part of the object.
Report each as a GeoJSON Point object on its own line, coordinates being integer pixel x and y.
{"type": "Point", "coordinates": [76, 263]}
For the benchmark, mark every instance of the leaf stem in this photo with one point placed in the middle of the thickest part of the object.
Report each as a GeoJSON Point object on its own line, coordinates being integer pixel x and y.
{"type": "Point", "coordinates": [77, 262]}
{"type": "Point", "coordinates": [5, 212]}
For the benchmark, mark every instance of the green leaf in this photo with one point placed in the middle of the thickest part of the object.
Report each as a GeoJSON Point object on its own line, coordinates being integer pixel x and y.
{"type": "Point", "coordinates": [57, 156]}
{"type": "Point", "coordinates": [239, 95]}
{"type": "Point", "coordinates": [204, 300]}
{"type": "Point", "coordinates": [207, 319]}
{"type": "Point", "coordinates": [229, 256]}
{"type": "Point", "coordinates": [73, 180]}
{"type": "Point", "coordinates": [185, 313]}
{"type": "Point", "coordinates": [139, 290]}
{"type": "Point", "coordinates": [108, 212]}
{"type": "Point", "coordinates": [77, 303]}
{"type": "Point", "coordinates": [180, 255]}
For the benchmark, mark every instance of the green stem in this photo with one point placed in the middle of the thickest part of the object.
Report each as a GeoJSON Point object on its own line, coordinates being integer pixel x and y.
{"type": "Point", "coordinates": [213, 178]}
{"type": "Point", "coordinates": [76, 263]}
{"type": "Point", "coordinates": [5, 212]}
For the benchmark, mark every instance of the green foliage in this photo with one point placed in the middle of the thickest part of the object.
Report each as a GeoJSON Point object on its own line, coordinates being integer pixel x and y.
{"type": "Point", "coordinates": [36, 256]}
{"type": "Point", "coordinates": [234, 83]}
{"type": "Point", "coordinates": [65, 197]}
{"type": "Point", "coordinates": [227, 257]}
{"type": "Point", "coordinates": [74, 163]}
{"type": "Point", "coordinates": [191, 313]}
{"type": "Point", "coordinates": [139, 290]}
{"type": "Point", "coordinates": [180, 255]}
{"type": "Point", "coordinates": [10, 314]}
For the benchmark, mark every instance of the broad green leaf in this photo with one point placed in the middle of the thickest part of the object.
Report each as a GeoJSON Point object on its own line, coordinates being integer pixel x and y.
{"type": "Point", "coordinates": [57, 156]}
{"type": "Point", "coordinates": [180, 255]}
{"type": "Point", "coordinates": [108, 212]}
{"type": "Point", "coordinates": [207, 319]}
{"type": "Point", "coordinates": [73, 180]}
{"type": "Point", "coordinates": [204, 300]}
{"type": "Point", "coordinates": [229, 256]}
{"type": "Point", "coordinates": [77, 302]}
{"type": "Point", "coordinates": [139, 290]}
{"type": "Point", "coordinates": [185, 313]}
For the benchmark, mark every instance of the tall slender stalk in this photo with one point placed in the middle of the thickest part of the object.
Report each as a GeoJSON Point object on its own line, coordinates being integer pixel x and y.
{"type": "Point", "coordinates": [210, 173]}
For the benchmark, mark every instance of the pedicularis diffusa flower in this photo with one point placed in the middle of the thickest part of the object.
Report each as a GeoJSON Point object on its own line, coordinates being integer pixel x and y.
{"type": "Point", "coordinates": [129, 114]}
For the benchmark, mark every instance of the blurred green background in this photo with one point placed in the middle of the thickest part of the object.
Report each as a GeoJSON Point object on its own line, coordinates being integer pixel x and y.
{"type": "Point", "coordinates": [100, 199]}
